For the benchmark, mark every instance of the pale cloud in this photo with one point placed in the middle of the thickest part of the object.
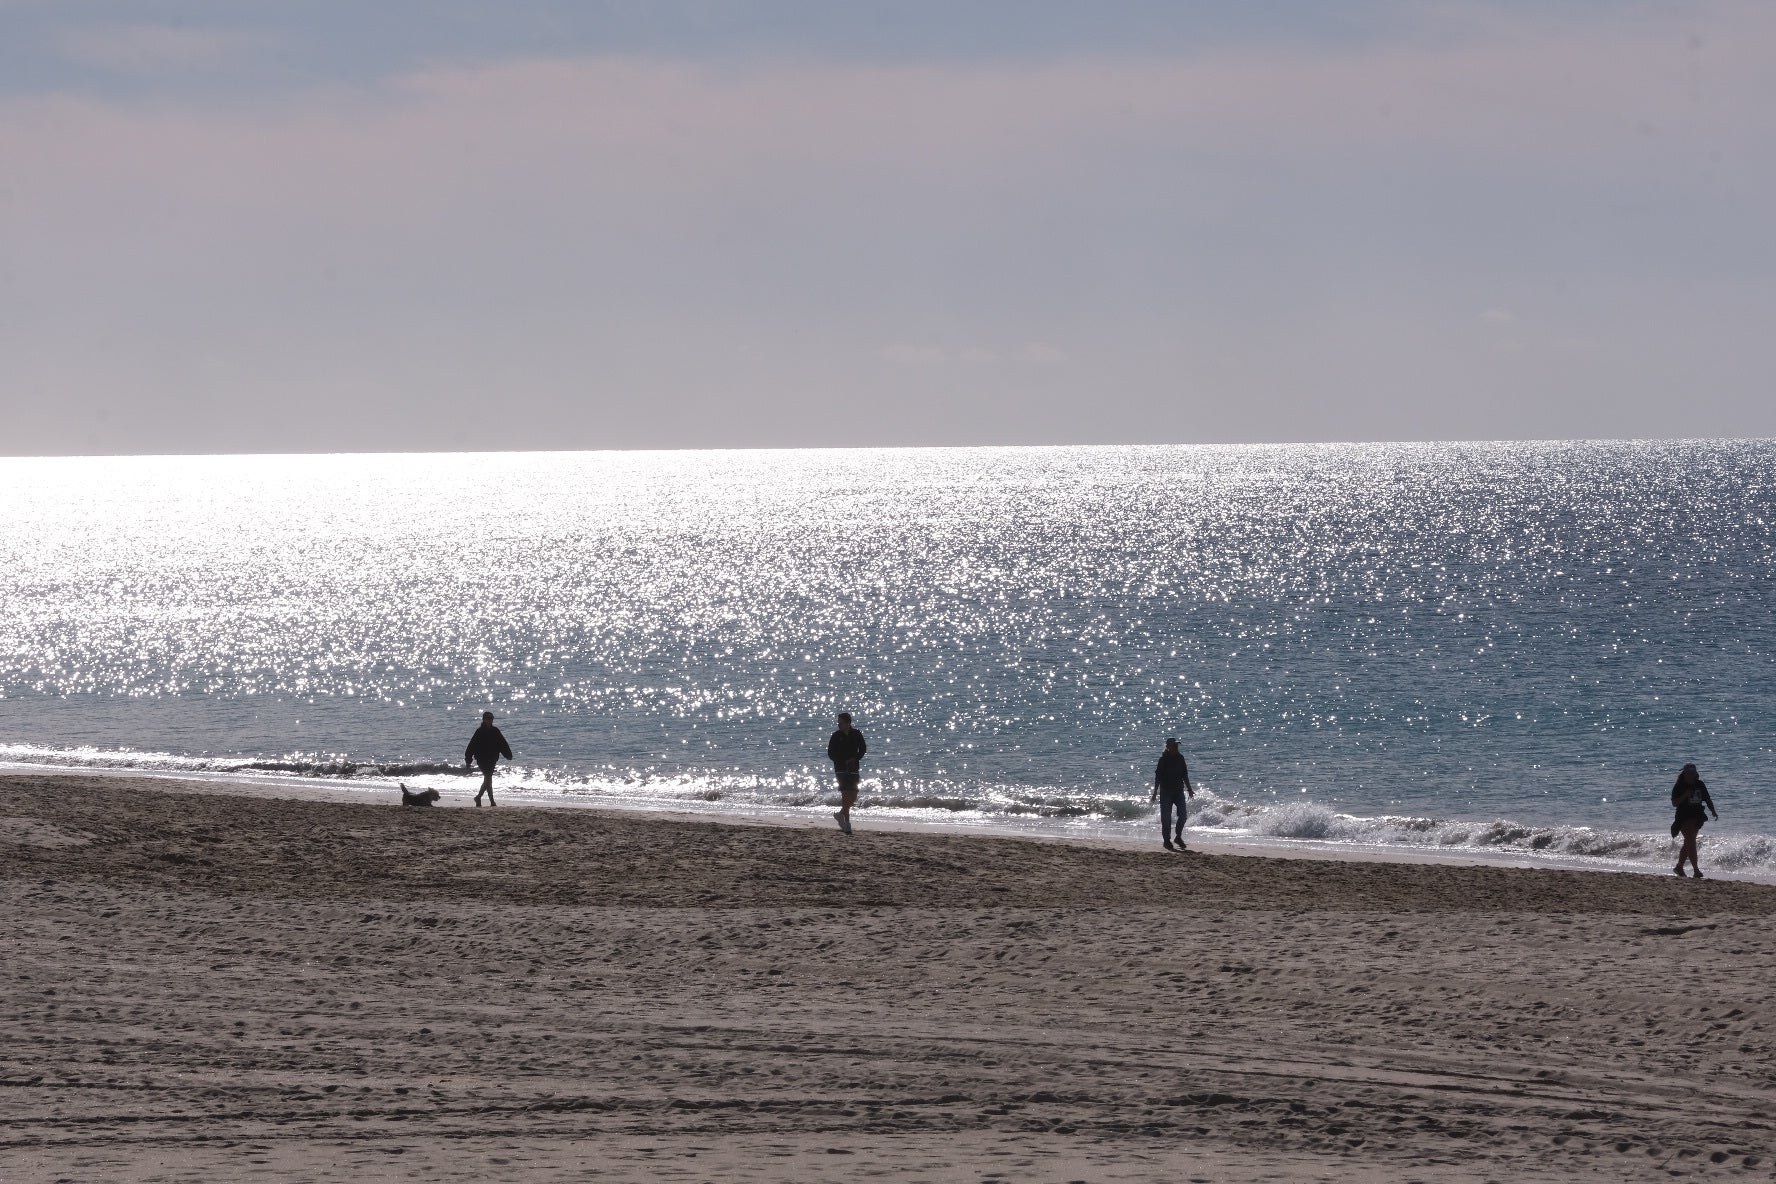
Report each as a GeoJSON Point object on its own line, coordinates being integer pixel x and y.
{"type": "Point", "coordinates": [633, 134]}
{"type": "Point", "coordinates": [1035, 354]}
{"type": "Point", "coordinates": [915, 355]}
{"type": "Point", "coordinates": [149, 49]}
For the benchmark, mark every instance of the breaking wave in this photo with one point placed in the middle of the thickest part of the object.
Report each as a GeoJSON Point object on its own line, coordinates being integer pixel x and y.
{"type": "Point", "coordinates": [1310, 821]}
{"type": "Point", "coordinates": [1078, 814]}
{"type": "Point", "coordinates": [295, 765]}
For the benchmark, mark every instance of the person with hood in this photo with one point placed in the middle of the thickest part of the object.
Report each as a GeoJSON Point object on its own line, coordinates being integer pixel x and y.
{"type": "Point", "coordinates": [485, 748]}
{"type": "Point", "coordinates": [1171, 782]}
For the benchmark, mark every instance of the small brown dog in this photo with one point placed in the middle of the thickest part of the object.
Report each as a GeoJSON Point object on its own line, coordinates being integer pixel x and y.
{"type": "Point", "coordinates": [424, 797]}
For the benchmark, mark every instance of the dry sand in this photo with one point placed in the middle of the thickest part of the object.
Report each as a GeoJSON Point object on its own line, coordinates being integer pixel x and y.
{"type": "Point", "coordinates": [210, 987]}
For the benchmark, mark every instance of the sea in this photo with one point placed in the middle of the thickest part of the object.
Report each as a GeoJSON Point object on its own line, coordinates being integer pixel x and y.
{"type": "Point", "coordinates": [1500, 649]}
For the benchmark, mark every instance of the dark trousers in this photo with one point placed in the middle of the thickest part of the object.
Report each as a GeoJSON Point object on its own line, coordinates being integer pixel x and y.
{"type": "Point", "coordinates": [1169, 800]}
{"type": "Point", "coordinates": [486, 777]}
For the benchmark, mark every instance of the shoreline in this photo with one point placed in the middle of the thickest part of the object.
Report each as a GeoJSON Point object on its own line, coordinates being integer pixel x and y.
{"type": "Point", "coordinates": [210, 985]}
{"type": "Point", "coordinates": [381, 791]}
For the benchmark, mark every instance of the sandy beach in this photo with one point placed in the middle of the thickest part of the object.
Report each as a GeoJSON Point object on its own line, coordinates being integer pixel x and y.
{"type": "Point", "coordinates": [209, 985]}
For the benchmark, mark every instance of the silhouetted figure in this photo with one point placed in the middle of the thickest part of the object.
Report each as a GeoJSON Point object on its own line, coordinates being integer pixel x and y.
{"type": "Point", "coordinates": [1690, 798]}
{"type": "Point", "coordinates": [485, 748]}
{"type": "Point", "coordinates": [845, 750]}
{"type": "Point", "coordinates": [1171, 782]}
{"type": "Point", "coordinates": [424, 797]}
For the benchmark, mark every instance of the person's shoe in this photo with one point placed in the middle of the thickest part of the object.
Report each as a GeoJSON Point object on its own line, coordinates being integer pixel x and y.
{"type": "Point", "coordinates": [1697, 873]}
{"type": "Point", "coordinates": [1168, 843]}
{"type": "Point", "coordinates": [1181, 845]}
{"type": "Point", "coordinates": [1678, 871]}
{"type": "Point", "coordinates": [840, 819]}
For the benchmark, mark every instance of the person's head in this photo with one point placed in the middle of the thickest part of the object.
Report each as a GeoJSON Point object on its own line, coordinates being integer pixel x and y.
{"type": "Point", "coordinates": [487, 717]}
{"type": "Point", "coordinates": [1689, 774]}
{"type": "Point", "coordinates": [844, 721]}
{"type": "Point", "coordinates": [1171, 744]}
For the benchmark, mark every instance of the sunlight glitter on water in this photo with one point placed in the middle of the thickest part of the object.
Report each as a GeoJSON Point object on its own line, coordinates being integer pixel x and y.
{"type": "Point", "coordinates": [1438, 631]}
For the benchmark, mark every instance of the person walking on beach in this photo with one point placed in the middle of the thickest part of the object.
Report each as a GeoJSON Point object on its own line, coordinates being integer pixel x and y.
{"type": "Point", "coordinates": [845, 750]}
{"type": "Point", "coordinates": [1171, 782]}
{"type": "Point", "coordinates": [1690, 798]}
{"type": "Point", "coordinates": [485, 748]}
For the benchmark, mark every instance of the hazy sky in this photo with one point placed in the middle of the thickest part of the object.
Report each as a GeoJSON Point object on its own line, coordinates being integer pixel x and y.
{"type": "Point", "coordinates": [248, 226]}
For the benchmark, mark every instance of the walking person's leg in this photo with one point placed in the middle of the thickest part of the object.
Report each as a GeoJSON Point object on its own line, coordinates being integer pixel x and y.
{"type": "Point", "coordinates": [1688, 851]}
{"type": "Point", "coordinates": [1183, 813]}
{"type": "Point", "coordinates": [1165, 819]}
{"type": "Point", "coordinates": [847, 799]}
{"type": "Point", "coordinates": [486, 786]}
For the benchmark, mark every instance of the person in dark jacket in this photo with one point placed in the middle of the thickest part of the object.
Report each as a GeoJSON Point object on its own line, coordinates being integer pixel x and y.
{"type": "Point", "coordinates": [1690, 798]}
{"type": "Point", "coordinates": [1171, 782]}
{"type": "Point", "coordinates": [485, 748]}
{"type": "Point", "coordinates": [845, 750]}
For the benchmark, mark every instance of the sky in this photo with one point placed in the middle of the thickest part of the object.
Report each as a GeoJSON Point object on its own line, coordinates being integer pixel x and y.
{"type": "Point", "coordinates": [436, 225]}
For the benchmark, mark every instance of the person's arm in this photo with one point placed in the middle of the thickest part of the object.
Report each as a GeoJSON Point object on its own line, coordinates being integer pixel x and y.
{"type": "Point", "coordinates": [1189, 789]}
{"type": "Point", "coordinates": [469, 752]}
{"type": "Point", "coordinates": [1156, 769]}
{"type": "Point", "coordinates": [832, 748]}
{"type": "Point", "coordinates": [504, 747]}
{"type": "Point", "coordinates": [1709, 802]}
{"type": "Point", "coordinates": [862, 746]}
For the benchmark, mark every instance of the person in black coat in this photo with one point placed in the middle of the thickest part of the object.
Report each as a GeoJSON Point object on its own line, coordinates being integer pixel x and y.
{"type": "Point", "coordinates": [845, 749]}
{"type": "Point", "coordinates": [1171, 782]}
{"type": "Point", "coordinates": [485, 748]}
{"type": "Point", "coordinates": [1689, 797]}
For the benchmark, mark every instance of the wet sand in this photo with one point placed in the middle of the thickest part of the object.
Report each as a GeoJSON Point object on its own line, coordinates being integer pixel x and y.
{"type": "Point", "coordinates": [208, 986]}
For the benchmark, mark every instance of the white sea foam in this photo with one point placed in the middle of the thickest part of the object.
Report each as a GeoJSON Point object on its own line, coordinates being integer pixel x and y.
{"type": "Point", "coordinates": [946, 804]}
{"type": "Point", "coordinates": [288, 765]}
{"type": "Point", "coordinates": [1310, 821]}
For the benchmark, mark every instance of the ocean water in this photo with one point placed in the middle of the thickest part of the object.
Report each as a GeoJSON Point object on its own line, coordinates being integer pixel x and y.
{"type": "Point", "coordinates": [1508, 647]}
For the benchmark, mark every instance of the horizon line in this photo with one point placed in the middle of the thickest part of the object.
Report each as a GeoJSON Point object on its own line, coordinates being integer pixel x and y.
{"type": "Point", "coordinates": [1147, 444]}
